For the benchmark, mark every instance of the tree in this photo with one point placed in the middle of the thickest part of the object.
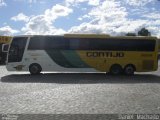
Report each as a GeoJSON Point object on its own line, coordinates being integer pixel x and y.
{"type": "Point", "coordinates": [131, 34]}
{"type": "Point", "coordinates": [144, 32]}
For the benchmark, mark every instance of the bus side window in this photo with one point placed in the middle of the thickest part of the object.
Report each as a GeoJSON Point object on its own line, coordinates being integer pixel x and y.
{"type": "Point", "coordinates": [74, 44]}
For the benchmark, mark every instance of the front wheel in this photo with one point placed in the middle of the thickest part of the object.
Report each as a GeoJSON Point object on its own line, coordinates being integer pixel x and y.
{"type": "Point", "coordinates": [35, 69]}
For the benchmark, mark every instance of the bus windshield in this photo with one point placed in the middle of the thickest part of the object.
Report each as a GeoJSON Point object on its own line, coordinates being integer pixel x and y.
{"type": "Point", "coordinates": [17, 49]}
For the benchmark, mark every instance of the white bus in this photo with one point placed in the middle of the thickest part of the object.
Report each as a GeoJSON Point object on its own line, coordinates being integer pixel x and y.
{"type": "Point", "coordinates": [83, 53]}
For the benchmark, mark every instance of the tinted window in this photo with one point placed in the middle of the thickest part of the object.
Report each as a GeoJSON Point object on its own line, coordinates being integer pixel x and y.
{"type": "Point", "coordinates": [79, 44]}
{"type": "Point", "coordinates": [112, 44]}
{"type": "Point", "coordinates": [17, 49]}
{"type": "Point", "coordinates": [123, 45]}
{"type": "Point", "coordinates": [47, 42]}
{"type": "Point", "coordinates": [59, 42]}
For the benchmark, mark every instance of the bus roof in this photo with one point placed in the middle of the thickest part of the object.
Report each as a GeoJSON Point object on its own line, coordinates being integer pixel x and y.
{"type": "Point", "coordinates": [93, 36]}
{"type": "Point", "coordinates": [106, 36]}
{"type": "Point", "coordinates": [36, 35]}
{"type": "Point", "coordinates": [86, 35]}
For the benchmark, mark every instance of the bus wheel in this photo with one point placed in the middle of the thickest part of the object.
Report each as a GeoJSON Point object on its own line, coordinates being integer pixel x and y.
{"type": "Point", "coordinates": [116, 69]}
{"type": "Point", "coordinates": [129, 70]}
{"type": "Point", "coordinates": [35, 69]}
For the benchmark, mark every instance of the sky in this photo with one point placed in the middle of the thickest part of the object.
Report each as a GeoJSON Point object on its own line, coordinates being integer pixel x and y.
{"type": "Point", "coordinates": [54, 17]}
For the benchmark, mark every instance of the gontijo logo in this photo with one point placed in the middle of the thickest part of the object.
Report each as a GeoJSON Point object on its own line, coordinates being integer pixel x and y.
{"type": "Point", "coordinates": [105, 54]}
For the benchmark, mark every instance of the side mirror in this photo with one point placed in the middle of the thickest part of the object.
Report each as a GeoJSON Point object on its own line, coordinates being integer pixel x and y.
{"type": "Point", "coordinates": [5, 47]}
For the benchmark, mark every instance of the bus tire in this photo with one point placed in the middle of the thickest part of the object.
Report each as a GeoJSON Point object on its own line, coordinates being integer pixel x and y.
{"type": "Point", "coordinates": [116, 69]}
{"type": "Point", "coordinates": [35, 69]}
{"type": "Point", "coordinates": [129, 69]}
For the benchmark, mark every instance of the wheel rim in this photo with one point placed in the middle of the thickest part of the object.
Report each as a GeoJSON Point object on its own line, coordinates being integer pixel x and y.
{"type": "Point", "coordinates": [34, 69]}
{"type": "Point", "coordinates": [116, 70]}
{"type": "Point", "coordinates": [129, 70]}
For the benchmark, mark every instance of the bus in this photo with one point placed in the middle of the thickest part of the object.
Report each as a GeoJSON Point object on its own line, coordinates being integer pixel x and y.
{"type": "Point", "coordinates": [83, 53]}
{"type": "Point", "coordinates": [158, 45]}
{"type": "Point", "coordinates": [3, 55]}
{"type": "Point", "coordinates": [158, 48]}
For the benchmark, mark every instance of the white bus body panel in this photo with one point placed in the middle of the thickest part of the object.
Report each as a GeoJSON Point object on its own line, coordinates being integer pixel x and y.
{"type": "Point", "coordinates": [47, 64]}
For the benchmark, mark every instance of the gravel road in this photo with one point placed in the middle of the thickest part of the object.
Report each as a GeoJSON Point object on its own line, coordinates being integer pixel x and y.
{"type": "Point", "coordinates": [78, 93]}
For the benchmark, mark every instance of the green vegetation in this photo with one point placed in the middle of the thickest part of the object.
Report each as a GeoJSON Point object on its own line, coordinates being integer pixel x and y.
{"type": "Point", "coordinates": [142, 32]}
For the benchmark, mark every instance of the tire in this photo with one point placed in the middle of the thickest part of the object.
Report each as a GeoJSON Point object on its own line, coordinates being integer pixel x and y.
{"type": "Point", "coordinates": [116, 69]}
{"type": "Point", "coordinates": [129, 70]}
{"type": "Point", "coordinates": [35, 69]}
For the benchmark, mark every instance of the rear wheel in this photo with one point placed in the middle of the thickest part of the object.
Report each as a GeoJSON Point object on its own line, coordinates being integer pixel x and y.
{"type": "Point", "coordinates": [116, 69]}
{"type": "Point", "coordinates": [129, 70]}
{"type": "Point", "coordinates": [35, 69]}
